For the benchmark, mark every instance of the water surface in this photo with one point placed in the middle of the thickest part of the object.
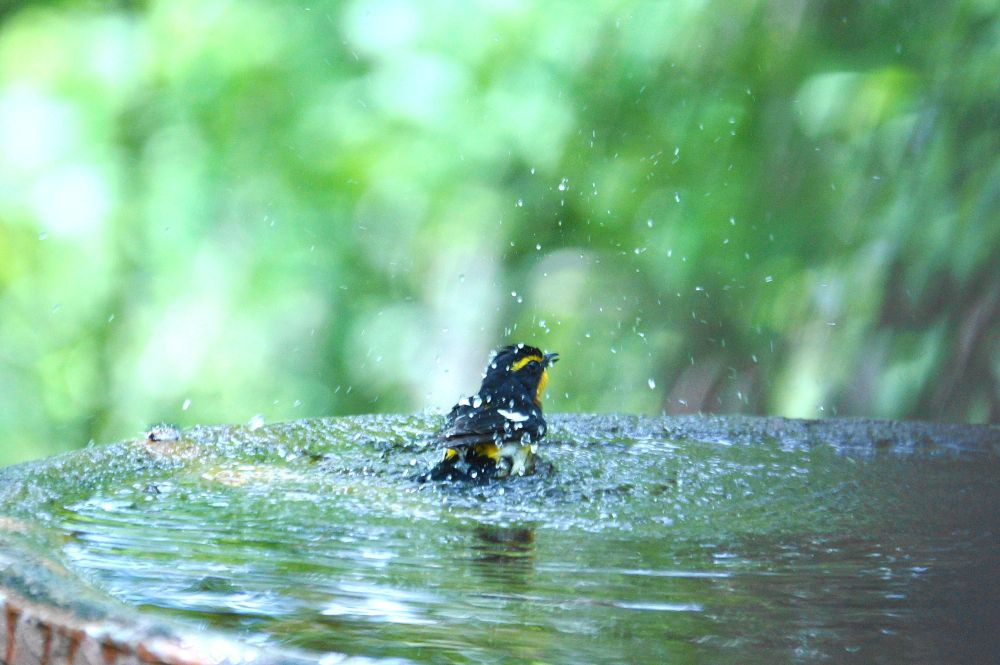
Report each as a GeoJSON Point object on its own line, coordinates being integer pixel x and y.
{"type": "Point", "coordinates": [629, 545]}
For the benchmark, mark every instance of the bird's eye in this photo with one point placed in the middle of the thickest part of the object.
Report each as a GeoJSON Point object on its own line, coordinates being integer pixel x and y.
{"type": "Point", "coordinates": [533, 364]}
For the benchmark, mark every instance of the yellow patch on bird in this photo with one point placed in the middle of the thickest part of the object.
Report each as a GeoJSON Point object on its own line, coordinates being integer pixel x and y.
{"type": "Point", "coordinates": [542, 380]}
{"type": "Point", "coordinates": [489, 450]}
{"type": "Point", "coordinates": [450, 454]}
{"type": "Point", "coordinates": [521, 362]}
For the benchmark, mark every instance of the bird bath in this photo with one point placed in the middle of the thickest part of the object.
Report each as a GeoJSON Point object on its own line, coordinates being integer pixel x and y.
{"type": "Point", "coordinates": [647, 540]}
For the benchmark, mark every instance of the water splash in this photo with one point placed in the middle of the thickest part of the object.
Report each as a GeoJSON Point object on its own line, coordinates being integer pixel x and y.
{"type": "Point", "coordinates": [315, 534]}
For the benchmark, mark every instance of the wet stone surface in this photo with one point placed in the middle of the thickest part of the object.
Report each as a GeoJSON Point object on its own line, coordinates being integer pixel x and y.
{"type": "Point", "coordinates": [697, 539]}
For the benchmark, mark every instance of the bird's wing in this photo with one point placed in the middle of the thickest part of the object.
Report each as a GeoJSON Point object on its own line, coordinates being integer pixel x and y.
{"type": "Point", "coordinates": [467, 425]}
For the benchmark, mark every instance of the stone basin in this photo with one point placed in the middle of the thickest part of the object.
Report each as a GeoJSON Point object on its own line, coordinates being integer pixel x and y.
{"type": "Point", "coordinates": [691, 539]}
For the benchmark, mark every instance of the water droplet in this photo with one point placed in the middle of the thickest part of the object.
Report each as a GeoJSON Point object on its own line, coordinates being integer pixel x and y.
{"type": "Point", "coordinates": [43, 235]}
{"type": "Point", "coordinates": [769, 279]}
{"type": "Point", "coordinates": [520, 203]}
{"type": "Point", "coordinates": [538, 246]}
{"type": "Point", "coordinates": [563, 184]}
{"type": "Point", "coordinates": [651, 383]}
{"type": "Point", "coordinates": [649, 223]}
{"type": "Point", "coordinates": [185, 405]}
{"type": "Point", "coordinates": [677, 197]}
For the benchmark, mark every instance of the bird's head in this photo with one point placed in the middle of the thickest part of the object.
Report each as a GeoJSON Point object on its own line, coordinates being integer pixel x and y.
{"type": "Point", "coordinates": [526, 364]}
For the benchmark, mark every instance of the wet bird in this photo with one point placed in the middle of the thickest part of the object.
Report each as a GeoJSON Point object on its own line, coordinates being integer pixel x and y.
{"type": "Point", "coordinates": [494, 433]}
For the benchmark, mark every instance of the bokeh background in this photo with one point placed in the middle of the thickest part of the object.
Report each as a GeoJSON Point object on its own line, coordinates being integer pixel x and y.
{"type": "Point", "coordinates": [217, 211]}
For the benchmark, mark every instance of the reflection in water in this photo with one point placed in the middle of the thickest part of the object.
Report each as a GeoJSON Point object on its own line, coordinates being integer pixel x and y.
{"type": "Point", "coordinates": [643, 551]}
{"type": "Point", "coordinates": [378, 603]}
{"type": "Point", "coordinates": [504, 555]}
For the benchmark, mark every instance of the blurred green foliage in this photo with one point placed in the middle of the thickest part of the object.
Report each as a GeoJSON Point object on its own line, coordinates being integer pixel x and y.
{"type": "Point", "coordinates": [216, 209]}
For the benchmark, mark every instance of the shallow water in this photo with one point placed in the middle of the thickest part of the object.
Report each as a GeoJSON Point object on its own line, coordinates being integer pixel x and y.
{"type": "Point", "coordinates": [623, 548]}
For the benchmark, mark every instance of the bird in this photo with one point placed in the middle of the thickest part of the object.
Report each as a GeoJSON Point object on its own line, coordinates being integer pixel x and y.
{"type": "Point", "coordinates": [495, 433]}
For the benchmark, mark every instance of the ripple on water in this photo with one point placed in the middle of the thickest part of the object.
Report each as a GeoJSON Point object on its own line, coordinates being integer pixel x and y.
{"type": "Point", "coordinates": [657, 548]}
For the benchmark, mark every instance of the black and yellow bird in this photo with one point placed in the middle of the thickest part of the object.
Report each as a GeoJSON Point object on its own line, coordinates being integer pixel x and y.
{"type": "Point", "coordinates": [495, 433]}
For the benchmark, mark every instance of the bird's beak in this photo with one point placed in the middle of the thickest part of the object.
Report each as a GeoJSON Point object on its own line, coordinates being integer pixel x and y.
{"type": "Point", "coordinates": [550, 359]}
